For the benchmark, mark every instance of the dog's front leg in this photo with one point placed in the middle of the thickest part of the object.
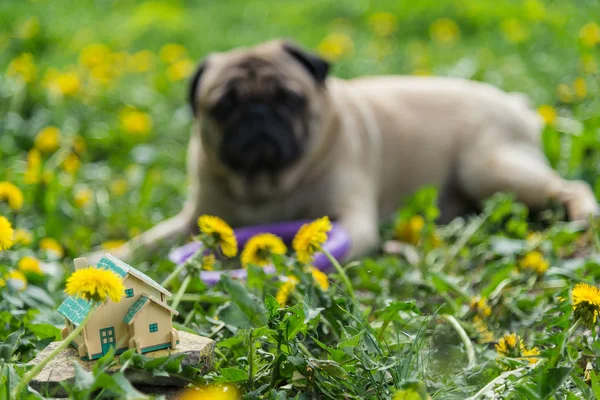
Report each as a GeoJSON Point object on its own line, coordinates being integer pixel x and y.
{"type": "Point", "coordinates": [359, 218]}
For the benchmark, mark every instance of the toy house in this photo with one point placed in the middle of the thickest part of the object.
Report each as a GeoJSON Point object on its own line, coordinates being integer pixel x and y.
{"type": "Point", "coordinates": [141, 320]}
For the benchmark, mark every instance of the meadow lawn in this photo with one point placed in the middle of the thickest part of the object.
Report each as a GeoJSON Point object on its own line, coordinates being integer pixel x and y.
{"type": "Point", "coordinates": [93, 133]}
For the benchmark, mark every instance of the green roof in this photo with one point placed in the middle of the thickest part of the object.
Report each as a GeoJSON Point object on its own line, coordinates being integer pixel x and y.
{"type": "Point", "coordinates": [75, 309]}
{"type": "Point", "coordinates": [135, 308]}
{"type": "Point", "coordinates": [122, 269]}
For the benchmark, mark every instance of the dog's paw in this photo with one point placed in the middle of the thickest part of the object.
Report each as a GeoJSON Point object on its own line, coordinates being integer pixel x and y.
{"type": "Point", "coordinates": [580, 202]}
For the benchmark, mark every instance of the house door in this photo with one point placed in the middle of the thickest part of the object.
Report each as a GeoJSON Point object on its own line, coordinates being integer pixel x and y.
{"type": "Point", "coordinates": [107, 339]}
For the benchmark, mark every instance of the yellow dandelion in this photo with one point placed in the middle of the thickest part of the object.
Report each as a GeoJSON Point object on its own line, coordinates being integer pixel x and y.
{"type": "Point", "coordinates": [11, 194]}
{"type": "Point", "coordinates": [564, 93]}
{"type": "Point", "coordinates": [410, 230]}
{"type": "Point", "coordinates": [336, 46]}
{"type": "Point", "coordinates": [586, 303]}
{"type": "Point", "coordinates": [6, 234]}
{"type": "Point", "coordinates": [548, 114]}
{"type": "Point", "coordinates": [79, 144]}
{"type": "Point", "coordinates": [140, 61]}
{"type": "Point", "coordinates": [113, 244]}
{"type": "Point", "coordinates": [514, 30]}
{"type": "Point", "coordinates": [260, 248]}
{"type": "Point", "coordinates": [320, 278]}
{"type": "Point", "coordinates": [482, 330]}
{"type": "Point", "coordinates": [83, 196]}
{"type": "Point", "coordinates": [530, 354]}
{"type": "Point", "coordinates": [119, 187]}
{"type": "Point", "coordinates": [212, 392]}
{"type": "Point", "coordinates": [208, 262]}
{"type": "Point", "coordinates": [94, 55]}
{"type": "Point", "coordinates": [285, 290]}
{"type": "Point", "coordinates": [480, 307]}
{"type": "Point", "coordinates": [30, 265]}
{"type": "Point", "coordinates": [104, 73]}
{"type": "Point", "coordinates": [310, 238]}
{"type": "Point", "coordinates": [48, 139]}
{"type": "Point", "coordinates": [135, 122]}
{"type": "Point", "coordinates": [23, 67]}
{"type": "Point", "coordinates": [383, 23]}
{"type": "Point", "coordinates": [590, 34]}
{"type": "Point", "coordinates": [2, 283]}
{"type": "Point", "coordinates": [509, 346]}
{"type": "Point", "coordinates": [23, 237]}
{"type": "Point", "coordinates": [534, 261]}
{"type": "Point", "coordinates": [180, 70]}
{"type": "Point", "coordinates": [444, 31]}
{"type": "Point", "coordinates": [71, 164]}
{"type": "Point", "coordinates": [95, 284]}
{"type": "Point", "coordinates": [34, 164]}
{"type": "Point", "coordinates": [580, 88]}
{"type": "Point", "coordinates": [170, 53]}
{"type": "Point", "coordinates": [63, 83]}
{"type": "Point", "coordinates": [218, 233]}
{"type": "Point", "coordinates": [52, 246]}
{"type": "Point", "coordinates": [16, 279]}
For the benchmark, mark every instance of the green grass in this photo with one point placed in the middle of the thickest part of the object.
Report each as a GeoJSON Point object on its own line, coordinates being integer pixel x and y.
{"type": "Point", "coordinates": [412, 323]}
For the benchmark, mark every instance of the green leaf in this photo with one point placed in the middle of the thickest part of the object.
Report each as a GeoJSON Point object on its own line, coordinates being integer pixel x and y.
{"type": "Point", "coordinates": [248, 304]}
{"type": "Point", "coordinates": [233, 374]}
{"type": "Point", "coordinates": [43, 331]}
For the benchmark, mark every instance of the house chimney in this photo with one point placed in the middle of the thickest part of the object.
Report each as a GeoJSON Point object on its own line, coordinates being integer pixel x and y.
{"type": "Point", "coordinates": [80, 263]}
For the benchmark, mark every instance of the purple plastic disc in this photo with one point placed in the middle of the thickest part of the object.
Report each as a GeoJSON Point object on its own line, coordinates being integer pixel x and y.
{"type": "Point", "coordinates": [338, 244]}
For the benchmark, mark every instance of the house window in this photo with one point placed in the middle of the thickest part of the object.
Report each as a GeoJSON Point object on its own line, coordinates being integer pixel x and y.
{"type": "Point", "coordinates": [153, 327]}
{"type": "Point", "coordinates": [128, 293]}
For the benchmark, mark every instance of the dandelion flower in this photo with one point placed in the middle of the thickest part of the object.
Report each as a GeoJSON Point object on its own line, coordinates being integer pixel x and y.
{"type": "Point", "coordinates": [113, 244]}
{"type": "Point", "coordinates": [534, 261]}
{"type": "Point", "coordinates": [548, 113]}
{"type": "Point", "coordinates": [6, 234]}
{"type": "Point", "coordinates": [310, 238]}
{"type": "Point", "coordinates": [34, 163]}
{"type": "Point", "coordinates": [180, 70]}
{"type": "Point", "coordinates": [71, 164]}
{"type": "Point", "coordinates": [285, 290]}
{"type": "Point", "coordinates": [211, 392]}
{"type": "Point", "coordinates": [11, 194]}
{"type": "Point", "coordinates": [410, 231]}
{"type": "Point", "coordinates": [119, 187]}
{"type": "Point", "coordinates": [260, 248]}
{"type": "Point", "coordinates": [135, 122]}
{"type": "Point", "coordinates": [208, 262]}
{"type": "Point", "coordinates": [23, 237]}
{"type": "Point", "coordinates": [172, 52]}
{"type": "Point", "coordinates": [48, 139]}
{"type": "Point", "coordinates": [509, 346]}
{"type": "Point", "coordinates": [83, 196]}
{"type": "Point", "coordinates": [219, 234]}
{"type": "Point", "coordinates": [580, 88]}
{"type": "Point", "coordinates": [320, 278]}
{"type": "Point", "coordinates": [30, 265]}
{"type": "Point", "coordinates": [336, 46]}
{"type": "Point", "coordinates": [482, 331]}
{"type": "Point", "coordinates": [383, 23]}
{"type": "Point", "coordinates": [514, 31]}
{"type": "Point", "coordinates": [140, 61]}
{"type": "Point", "coordinates": [16, 279]}
{"type": "Point", "coordinates": [444, 31]}
{"type": "Point", "coordinates": [529, 354]}
{"type": "Point", "coordinates": [590, 34]}
{"type": "Point", "coordinates": [95, 284]}
{"type": "Point", "coordinates": [63, 83]}
{"type": "Point", "coordinates": [586, 303]}
{"type": "Point", "coordinates": [52, 245]}
{"type": "Point", "coordinates": [480, 307]}
{"type": "Point", "coordinates": [23, 67]}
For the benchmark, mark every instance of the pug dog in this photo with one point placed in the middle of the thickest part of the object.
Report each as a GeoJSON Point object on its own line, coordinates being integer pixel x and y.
{"type": "Point", "coordinates": [277, 139]}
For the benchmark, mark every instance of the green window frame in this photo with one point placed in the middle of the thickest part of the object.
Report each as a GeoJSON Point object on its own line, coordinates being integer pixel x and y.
{"type": "Point", "coordinates": [153, 328]}
{"type": "Point", "coordinates": [129, 293]}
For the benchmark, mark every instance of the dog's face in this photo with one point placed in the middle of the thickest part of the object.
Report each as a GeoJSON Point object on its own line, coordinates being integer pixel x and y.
{"type": "Point", "coordinates": [258, 107]}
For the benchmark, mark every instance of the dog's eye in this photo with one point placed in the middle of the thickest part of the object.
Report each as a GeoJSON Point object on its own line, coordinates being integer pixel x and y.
{"type": "Point", "coordinates": [225, 105]}
{"type": "Point", "coordinates": [290, 97]}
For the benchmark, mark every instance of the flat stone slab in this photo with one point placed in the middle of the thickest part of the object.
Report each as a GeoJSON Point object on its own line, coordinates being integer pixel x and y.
{"type": "Point", "coordinates": [198, 352]}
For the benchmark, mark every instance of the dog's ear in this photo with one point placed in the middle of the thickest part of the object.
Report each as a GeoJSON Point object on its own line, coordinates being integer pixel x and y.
{"type": "Point", "coordinates": [314, 64]}
{"type": "Point", "coordinates": [194, 83]}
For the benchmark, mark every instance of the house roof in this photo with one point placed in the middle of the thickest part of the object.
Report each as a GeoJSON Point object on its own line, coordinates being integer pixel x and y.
{"type": "Point", "coordinates": [141, 303]}
{"type": "Point", "coordinates": [120, 268]}
{"type": "Point", "coordinates": [75, 309]}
